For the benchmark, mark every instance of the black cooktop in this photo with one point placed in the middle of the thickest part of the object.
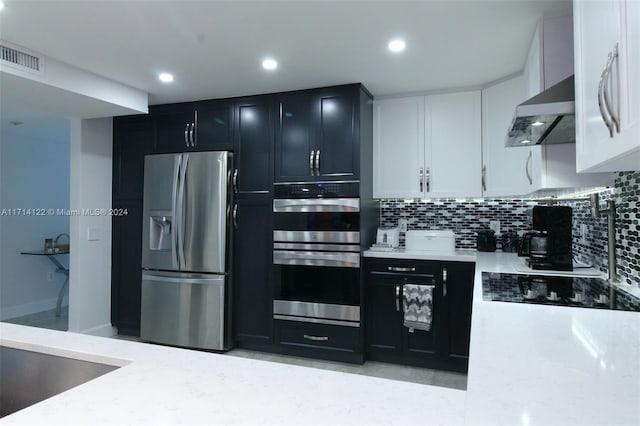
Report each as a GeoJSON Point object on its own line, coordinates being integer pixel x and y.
{"type": "Point", "coordinates": [584, 292]}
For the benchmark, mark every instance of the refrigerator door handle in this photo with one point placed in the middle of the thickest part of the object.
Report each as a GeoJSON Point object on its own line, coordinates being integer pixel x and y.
{"type": "Point", "coordinates": [183, 280]}
{"type": "Point", "coordinates": [180, 211]}
{"type": "Point", "coordinates": [174, 203]}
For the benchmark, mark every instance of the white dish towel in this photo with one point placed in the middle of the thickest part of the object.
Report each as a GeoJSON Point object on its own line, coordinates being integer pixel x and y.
{"type": "Point", "coordinates": [417, 303]}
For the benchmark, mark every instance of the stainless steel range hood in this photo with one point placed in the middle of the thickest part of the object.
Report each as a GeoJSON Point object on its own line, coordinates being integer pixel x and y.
{"type": "Point", "coordinates": [546, 118]}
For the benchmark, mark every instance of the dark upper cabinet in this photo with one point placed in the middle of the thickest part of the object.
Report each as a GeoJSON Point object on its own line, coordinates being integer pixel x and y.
{"type": "Point", "coordinates": [335, 132]}
{"type": "Point", "coordinates": [252, 293]}
{"type": "Point", "coordinates": [317, 135]}
{"type": "Point", "coordinates": [294, 150]}
{"type": "Point", "coordinates": [132, 139]}
{"type": "Point", "coordinates": [446, 344]}
{"type": "Point", "coordinates": [196, 126]}
{"type": "Point", "coordinates": [253, 145]}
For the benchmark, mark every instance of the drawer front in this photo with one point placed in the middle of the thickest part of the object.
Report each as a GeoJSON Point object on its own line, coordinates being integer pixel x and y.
{"type": "Point", "coordinates": [404, 266]}
{"type": "Point", "coordinates": [308, 335]}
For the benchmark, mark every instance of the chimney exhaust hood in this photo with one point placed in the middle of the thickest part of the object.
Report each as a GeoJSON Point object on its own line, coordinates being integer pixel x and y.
{"type": "Point", "coordinates": [547, 118]}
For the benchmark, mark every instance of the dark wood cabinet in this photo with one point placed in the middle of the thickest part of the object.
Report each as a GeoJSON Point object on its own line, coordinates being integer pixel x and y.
{"type": "Point", "coordinates": [194, 126]}
{"type": "Point", "coordinates": [317, 134]}
{"type": "Point", "coordinates": [132, 139]}
{"type": "Point", "coordinates": [445, 345]}
{"type": "Point", "coordinates": [253, 145]}
{"type": "Point", "coordinates": [252, 291]}
{"type": "Point", "coordinates": [335, 130]}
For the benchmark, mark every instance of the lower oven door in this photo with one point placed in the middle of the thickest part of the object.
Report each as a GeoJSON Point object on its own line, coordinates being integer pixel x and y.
{"type": "Point", "coordinates": [321, 287]}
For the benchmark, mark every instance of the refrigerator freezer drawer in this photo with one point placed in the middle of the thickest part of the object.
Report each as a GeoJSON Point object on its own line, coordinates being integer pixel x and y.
{"type": "Point", "coordinates": [183, 309]}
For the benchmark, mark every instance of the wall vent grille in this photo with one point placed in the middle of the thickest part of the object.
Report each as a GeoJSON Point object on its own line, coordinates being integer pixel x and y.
{"type": "Point", "coordinates": [21, 59]}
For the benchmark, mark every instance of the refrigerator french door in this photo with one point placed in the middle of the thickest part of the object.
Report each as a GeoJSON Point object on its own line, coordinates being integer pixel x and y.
{"type": "Point", "coordinates": [186, 250]}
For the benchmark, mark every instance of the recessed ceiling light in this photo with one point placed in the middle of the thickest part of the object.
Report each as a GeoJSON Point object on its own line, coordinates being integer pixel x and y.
{"type": "Point", "coordinates": [397, 45]}
{"type": "Point", "coordinates": [537, 123]}
{"type": "Point", "coordinates": [165, 77]}
{"type": "Point", "coordinates": [525, 141]}
{"type": "Point", "coordinates": [269, 64]}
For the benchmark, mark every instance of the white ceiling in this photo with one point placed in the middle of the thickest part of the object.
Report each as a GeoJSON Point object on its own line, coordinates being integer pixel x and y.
{"type": "Point", "coordinates": [214, 48]}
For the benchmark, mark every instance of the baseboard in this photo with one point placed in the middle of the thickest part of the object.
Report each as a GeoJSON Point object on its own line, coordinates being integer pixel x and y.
{"type": "Point", "coordinates": [28, 308]}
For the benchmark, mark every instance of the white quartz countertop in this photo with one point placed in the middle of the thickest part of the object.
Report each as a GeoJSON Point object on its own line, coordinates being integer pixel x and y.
{"type": "Point", "coordinates": [401, 253]}
{"type": "Point", "coordinates": [529, 365]}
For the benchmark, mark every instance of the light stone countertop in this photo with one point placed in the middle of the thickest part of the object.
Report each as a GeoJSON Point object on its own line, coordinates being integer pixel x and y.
{"type": "Point", "coordinates": [529, 365]}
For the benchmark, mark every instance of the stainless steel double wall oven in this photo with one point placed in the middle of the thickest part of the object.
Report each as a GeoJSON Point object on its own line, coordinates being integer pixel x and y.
{"type": "Point", "coordinates": [316, 256]}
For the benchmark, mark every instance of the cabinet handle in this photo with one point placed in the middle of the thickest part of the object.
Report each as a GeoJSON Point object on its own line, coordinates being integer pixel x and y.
{"type": "Point", "coordinates": [615, 125]}
{"type": "Point", "coordinates": [316, 338]}
{"type": "Point", "coordinates": [400, 269]}
{"type": "Point", "coordinates": [444, 282]}
{"type": "Point", "coordinates": [235, 216]}
{"type": "Point", "coordinates": [421, 179]}
{"type": "Point", "coordinates": [526, 167]}
{"type": "Point", "coordinates": [427, 178]}
{"type": "Point", "coordinates": [192, 134]}
{"type": "Point", "coordinates": [397, 297]}
{"type": "Point", "coordinates": [311, 162]}
{"type": "Point", "coordinates": [484, 178]}
{"type": "Point", "coordinates": [235, 181]}
{"type": "Point", "coordinates": [186, 134]}
{"type": "Point", "coordinates": [318, 163]}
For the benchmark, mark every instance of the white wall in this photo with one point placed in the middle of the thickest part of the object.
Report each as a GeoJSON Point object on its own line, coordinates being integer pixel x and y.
{"type": "Point", "coordinates": [34, 171]}
{"type": "Point", "coordinates": [90, 276]}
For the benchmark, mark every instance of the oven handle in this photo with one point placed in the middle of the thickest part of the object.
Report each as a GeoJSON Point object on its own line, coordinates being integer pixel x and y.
{"type": "Point", "coordinates": [306, 205]}
{"type": "Point", "coordinates": [309, 258]}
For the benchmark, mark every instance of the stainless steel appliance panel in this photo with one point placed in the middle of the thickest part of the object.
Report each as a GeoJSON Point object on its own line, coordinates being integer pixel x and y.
{"type": "Point", "coordinates": [183, 309]}
{"type": "Point", "coordinates": [205, 214]}
{"type": "Point", "coordinates": [159, 230]}
{"type": "Point", "coordinates": [316, 258]}
{"type": "Point", "coordinates": [297, 205]}
{"type": "Point", "coordinates": [351, 237]}
{"type": "Point", "coordinates": [316, 310]}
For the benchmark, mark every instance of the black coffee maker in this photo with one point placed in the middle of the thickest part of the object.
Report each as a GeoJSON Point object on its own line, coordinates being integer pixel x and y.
{"type": "Point", "coordinates": [549, 245]}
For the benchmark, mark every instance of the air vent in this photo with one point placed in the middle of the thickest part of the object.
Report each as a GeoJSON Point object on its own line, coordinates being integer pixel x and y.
{"type": "Point", "coordinates": [19, 59]}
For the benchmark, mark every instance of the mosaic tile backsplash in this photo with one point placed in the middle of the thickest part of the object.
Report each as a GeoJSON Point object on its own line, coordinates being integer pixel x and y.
{"type": "Point", "coordinates": [466, 217]}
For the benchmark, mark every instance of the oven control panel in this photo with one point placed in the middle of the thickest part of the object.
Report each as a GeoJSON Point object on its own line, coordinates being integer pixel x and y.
{"type": "Point", "coordinates": [317, 190]}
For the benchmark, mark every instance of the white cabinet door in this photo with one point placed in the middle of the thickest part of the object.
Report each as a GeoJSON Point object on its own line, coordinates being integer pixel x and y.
{"type": "Point", "coordinates": [599, 26]}
{"type": "Point", "coordinates": [453, 145]}
{"type": "Point", "coordinates": [508, 171]}
{"type": "Point", "coordinates": [398, 147]}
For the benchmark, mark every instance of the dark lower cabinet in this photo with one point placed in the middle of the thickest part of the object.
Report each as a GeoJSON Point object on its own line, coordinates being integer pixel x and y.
{"type": "Point", "coordinates": [252, 291]}
{"type": "Point", "coordinates": [126, 268]}
{"type": "Point", "coordinates": [324, 341]}
{"type": "Point", "coordinates": [445, 345]}
{"type": "Point", "coordinates": [132, 139]}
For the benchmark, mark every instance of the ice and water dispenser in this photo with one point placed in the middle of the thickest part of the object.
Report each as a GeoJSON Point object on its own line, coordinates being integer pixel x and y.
{"type": "Point", "coordinates": [160, 230]}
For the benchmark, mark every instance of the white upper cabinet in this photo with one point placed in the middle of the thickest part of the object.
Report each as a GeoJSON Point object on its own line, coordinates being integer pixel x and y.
{"type": "Point", "coordinates": [522, 171]}
{"type": "Point", "coordinates": [507, 171]}
{"type": "Point", "coordinates": [453, 148]}
{"type": "Point", "coordinates": [398, 147]}
{"type": "Point", "coordinates": [607, 77]}
{"type": "Point", "coordinates": [428, 146]}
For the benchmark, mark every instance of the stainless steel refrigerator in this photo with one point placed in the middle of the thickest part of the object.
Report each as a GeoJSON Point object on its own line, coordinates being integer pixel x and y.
{"type": "Point", "coordinates": [186, 250]}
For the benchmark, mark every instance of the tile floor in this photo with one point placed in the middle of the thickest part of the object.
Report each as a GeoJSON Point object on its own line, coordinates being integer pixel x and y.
{"type": "Point", "coordinates": [423, 376]}
{"type": "Point", "coordinates": [45, 319]}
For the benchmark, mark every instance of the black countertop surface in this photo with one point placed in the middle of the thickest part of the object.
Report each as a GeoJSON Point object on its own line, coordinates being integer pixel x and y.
{"type": "Point", "coordinates": [585, 292]}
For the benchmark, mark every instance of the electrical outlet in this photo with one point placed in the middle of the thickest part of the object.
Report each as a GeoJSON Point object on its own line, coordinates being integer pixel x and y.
{"type": "Point", "coordinates": [495, 226]}
{"type": "Point", "coordinates": [93, 234]}
{"type": "Point", "coordinates": [583, 233]}
{"type": "Point", "coordinates": [402, 224]}
{"type": "Point", "coordinates": [50, 275]}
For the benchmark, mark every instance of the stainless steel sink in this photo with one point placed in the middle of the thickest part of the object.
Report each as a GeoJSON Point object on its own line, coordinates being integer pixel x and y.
{"type": "Point", "coordinates": [29, 377]}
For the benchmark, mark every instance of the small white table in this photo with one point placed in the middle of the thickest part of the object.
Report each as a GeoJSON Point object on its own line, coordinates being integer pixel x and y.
{"type": "Point", "coordinates": [51, 255]}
